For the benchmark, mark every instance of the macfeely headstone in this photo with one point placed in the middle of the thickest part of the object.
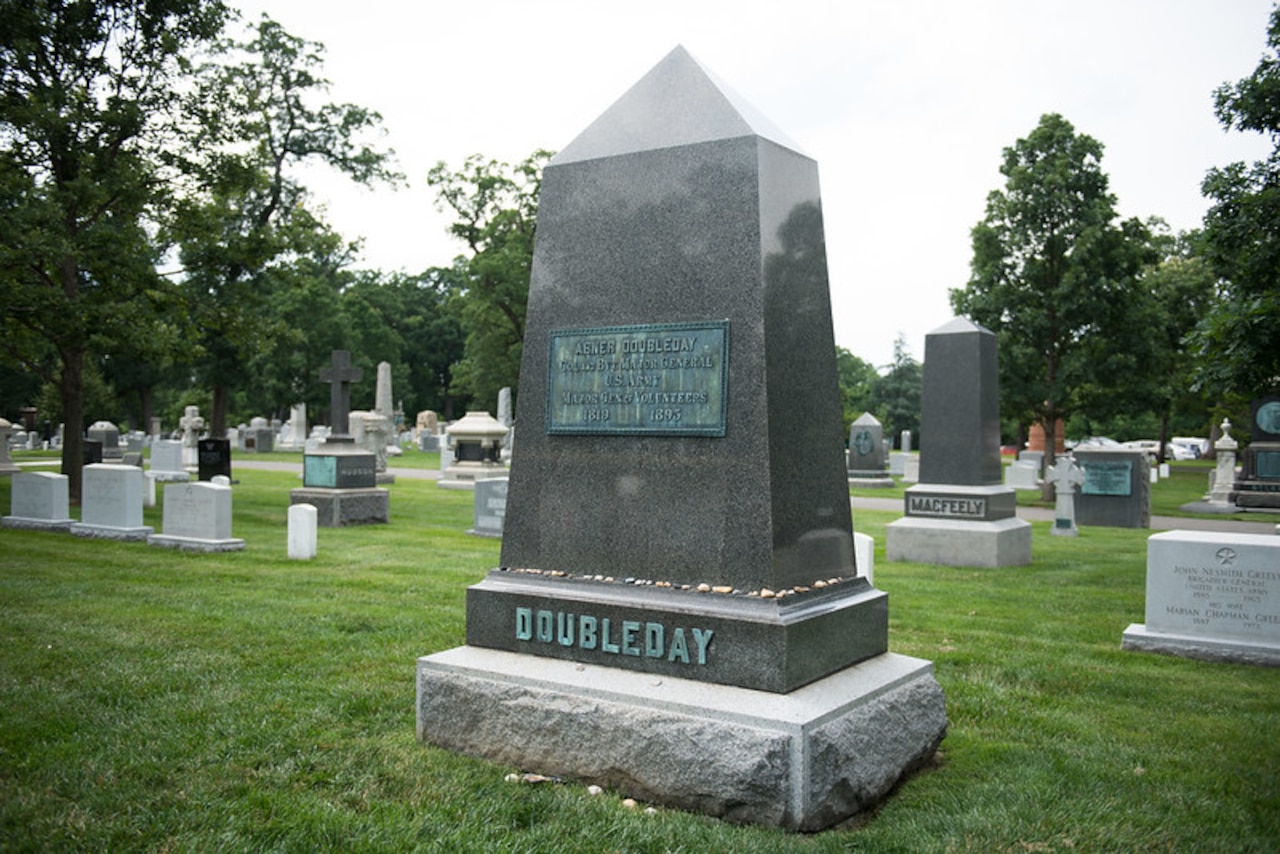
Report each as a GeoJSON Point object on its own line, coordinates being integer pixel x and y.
{"type": "Point", "coordinates": [339, 478]}
{"type": "Point", "coordinates": [197, 518]}
{"type": "Point", "coordinates": [1116, 492]}
{"type": "Point", "coordinates": [1259, 483]}
{"type": "Point", "coordinates": [960, 513]}
{"type": "Point", "coordinates": [1212, 596]}
{"type": "Point", "coordinates": [867, 464]}
{"type": "Point", "coordinates": [111, 503]}
{"type": "Point", "coordinates": [490, 507]}
{"type": "Point", "coordinates": [38, 501]}
{"type": "Point", "coordinates": [678, 613]}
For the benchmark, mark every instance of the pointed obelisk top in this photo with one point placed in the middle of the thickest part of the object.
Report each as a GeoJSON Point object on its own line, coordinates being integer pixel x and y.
{"type": "Point", "coordinates": [679, 102]}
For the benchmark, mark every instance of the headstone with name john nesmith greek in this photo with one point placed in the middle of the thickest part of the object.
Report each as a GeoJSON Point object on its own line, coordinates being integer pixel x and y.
{"type": "Point", "coordinates": [677, 547]}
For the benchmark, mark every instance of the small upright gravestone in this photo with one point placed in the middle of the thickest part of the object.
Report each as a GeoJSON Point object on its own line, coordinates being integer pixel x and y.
{"type": "Point", "coordinates": [7, 465]}
{"type": "Point", "coordinates": [302, 531]}
{"type": "Point", "coordinates": [111, 503]}
{"type": "Point", "coordinates": [109, 435]}
{"type": "Point", "coordinates": [490, 507]}
{"type": "Point", "coordinates": [1116, 492]}
{"type": "Point", "coordinates": [1065, 477]}
{"type": "Point", "coordinates": [214, 458]}
{"type": "Point", "coordinates": [339, 478]}
{"type": "Point", "coordinates": [39, 501]}
{"type": "Point", "coordinates": [960, 513]}
{"type": "Point", "coordinates": [678, 612]}
{"type": "Point", "coordinates": [197, 518]}
{"type": "Point", "coordinates": [166, 461]}
{"type": "Point", "coordinates": [867, 465]}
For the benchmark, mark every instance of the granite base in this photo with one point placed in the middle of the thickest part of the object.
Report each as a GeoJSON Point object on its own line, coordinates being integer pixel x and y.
{"type": "Point", "coordinates": [875, 482]}
{"type": "Point", "coordinates": [801, 761]}
{"type": "Point", "coordinates": [109, 532]}
{"type": "Point", "coordinates": [337, 508]}
{"type": "Point", "coordinates": [1138, 638]}
{"type": "Point", "coordinates": [193, 544]}
{"type": "Point", "coordinates": [954, 542]}
{"type": "Point", "coordinates": [25, 523]}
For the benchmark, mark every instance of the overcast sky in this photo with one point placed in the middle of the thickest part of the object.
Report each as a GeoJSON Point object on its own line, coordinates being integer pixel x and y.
{"type": "Point", "coordinates": [906, 106]}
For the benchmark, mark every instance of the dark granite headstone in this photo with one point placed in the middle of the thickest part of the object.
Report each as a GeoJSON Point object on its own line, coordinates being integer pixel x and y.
{"type": "Point", "coordinates": [677, 528]}
{"type": "Point", "coordinates": [1116, 491]}
{"type": "Point", "coordinates": [91, 451]}
{"type": "Point", "coordinates": [213, 458]}
{"type": "Point", "coordinates": [960, 406]}
{"type": "Point", "coordinates": [678, 387]}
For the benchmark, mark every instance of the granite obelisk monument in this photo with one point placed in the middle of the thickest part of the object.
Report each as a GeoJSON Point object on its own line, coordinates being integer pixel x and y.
{"type": "Point", "coordinates": [678, 613]}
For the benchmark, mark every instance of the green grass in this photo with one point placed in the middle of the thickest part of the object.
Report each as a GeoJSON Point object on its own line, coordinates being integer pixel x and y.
{"type": "Point", "coordinates": [152, 700]}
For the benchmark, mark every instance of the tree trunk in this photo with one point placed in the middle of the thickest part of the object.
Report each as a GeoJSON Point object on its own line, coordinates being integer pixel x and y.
{"type": "Point", "coordinates": [218, 418]}
{"type": "Point", "coordinates": [1164, 437]}
{"type": "Point", "coordinates": [71, 391]}
{"type": "Point", "coordinates": [146, 404]}
{"type": "Point", "coordinates": [1050, 446]}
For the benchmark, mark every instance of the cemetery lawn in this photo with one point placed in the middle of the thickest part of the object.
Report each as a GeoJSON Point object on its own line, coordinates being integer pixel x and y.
{"type": "Point", "coordinates": [245, 702]}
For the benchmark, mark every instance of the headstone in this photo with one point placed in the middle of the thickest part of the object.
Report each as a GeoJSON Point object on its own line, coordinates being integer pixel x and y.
{"type": "Point", "coordinates": [109, 435]}
{"type": "Point", "coordinates": [1065, 477]}
{"type": "Point", "coordinates": [111, 503]}
{"type": "Point", "coordinates": [1116, 492]}
{"type": "Point", "coordinates": [155, 426]}
{"type": "Point", "coordinates": [506, 420]}
{"type": "Point", "coordinates": [197, 518]}
{"type": "Point", "coordinates": [258, 437]}
{"type": "Point", "coordinates": [166, 461]}
{"type": "Point", "coordinates": [1259, 482]}
{"type": "Point", "coordinates": [1225, 467]}
{"type": "Point", "coordinates": [911, 469]}
{"type": "Point", "coordinates": [477, 451]}
{"type": "Point", "coordinates": [91, 452]}
{"type": "Point", "coordinates": [427, 422]}
{"type": "Point", "coordinates": [38, 501]}
{"type": "Point", "coordinates": [960, 513]}
{"type": "Point", "coordinates": [681, 432]}
{"type": "Point", "coordinates": [905, 441]}
{"type": "Point", "coordinates": [490, 507]}
{"type": "Point", "coordinates": [375, 429]}
{"type": "Point", "coordinates": [192, 425]}
{"type": "Point", "coordinates": [864, 549]}
{"type": "Point", "coordinates": [302, 531]}
{"type": "Point", "coordinates": [297, 433]}
{"type": "Point", "coordinates": [898, 464]}
{"type": "Point", "coordinates": [340, 478]}
{"type": "Point", "coordinates": [214, 458]}
{"type": "Point", "coordinates": [7, 465]}
{"type": "Point", "coordinates": [1034, 457]}
{"type": "Point", "coordinates": [1022, 474]}
{"type": "Point", "coordinates": [1212, 596]}
{"type": "Point", "coordinates": [867, 464]}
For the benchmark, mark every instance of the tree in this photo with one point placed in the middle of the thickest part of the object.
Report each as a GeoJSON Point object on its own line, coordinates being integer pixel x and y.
{"type": "Point", "coordinates": [86, 104]}
{"type": "Point", "coordinates": [253, 123]}
{"type": "Point", "coordinates": [1052, 275]}
{"type": "Point", "coordinates": [496, 206]}
{"type": "Point", "coordinates": [1235, 345]}
{"type": "Point", "coordinates": [856, 379]}
{"type": "Point", "coordinates": [895, 395]}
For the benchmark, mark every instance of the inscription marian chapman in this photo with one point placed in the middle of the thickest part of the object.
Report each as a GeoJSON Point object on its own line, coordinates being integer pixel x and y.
{"type": "Point", "coordinates": [657, 379]}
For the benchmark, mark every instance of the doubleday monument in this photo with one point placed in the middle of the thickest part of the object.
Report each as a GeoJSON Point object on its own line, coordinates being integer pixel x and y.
{"type": "Point", "coordinates": [678, 613]}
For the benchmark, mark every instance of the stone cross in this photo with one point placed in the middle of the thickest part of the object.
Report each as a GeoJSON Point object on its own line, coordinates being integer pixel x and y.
{"type": "Point", "coordinates": [340, 375]}
{"type": "Point", "coordinates": [191, 424]}
{"type": "Point", "coordinates": [1065, 477]}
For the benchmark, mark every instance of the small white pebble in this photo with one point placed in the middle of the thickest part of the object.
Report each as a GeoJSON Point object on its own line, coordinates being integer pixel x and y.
{"type": "Point", "coordinates": [512, 778]}
{"type": "Point", "coordinates": [630, 803]}
{"type": "Point", "coordinates": [651, 811]}
{"type": "Point", "coordinates": [766, 593]}
{"type": "Point", "coordinates": [594, 790]}
{"type": "Point", "coordinates": [704, 588]}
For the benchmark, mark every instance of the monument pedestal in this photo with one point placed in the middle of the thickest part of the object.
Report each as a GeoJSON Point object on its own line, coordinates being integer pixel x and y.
{"type": "Point", "coordinates": [339, 480]}
{"type": "Point", "coordinates": [954, 525]}
{"type": "Point", "coordinates": [801, 761]}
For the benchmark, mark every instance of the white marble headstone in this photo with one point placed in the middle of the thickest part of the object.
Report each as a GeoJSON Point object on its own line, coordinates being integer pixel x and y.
{"type": "Point", "coordinates": [111, 503]}
{"type": "Point", "coordinates": [303, 520]}
{"type": "Point", "coordinates": [197, 517]}
{"type": "Point", "coordinates": [39, 500]}
{"type": "Point", "coordinates": [166, 460]}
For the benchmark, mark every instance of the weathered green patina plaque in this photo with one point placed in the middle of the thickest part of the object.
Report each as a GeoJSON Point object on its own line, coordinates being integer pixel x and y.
{"type": "Point", "coordinates": [1107, 478]}
{"type": "Point", "coordinates": [666, 379]}
{"type": "Point", "coordinates": [319, 471]}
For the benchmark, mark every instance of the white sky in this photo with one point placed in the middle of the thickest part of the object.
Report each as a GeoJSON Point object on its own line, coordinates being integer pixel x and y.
{"type": "Point", "coordinates": [906, 106]}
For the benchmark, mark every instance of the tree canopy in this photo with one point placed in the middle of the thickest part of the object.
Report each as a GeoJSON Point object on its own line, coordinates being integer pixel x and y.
{"type": "Point", "coordinates": [1235, 346]}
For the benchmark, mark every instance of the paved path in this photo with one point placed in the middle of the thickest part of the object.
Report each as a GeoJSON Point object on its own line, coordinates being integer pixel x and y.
{"type": "Point", "coordinates": [1031, 514]}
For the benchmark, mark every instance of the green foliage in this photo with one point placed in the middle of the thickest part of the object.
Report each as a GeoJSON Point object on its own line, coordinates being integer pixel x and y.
{"type": "Point", "coordinates": [245, 228]}
{"type": "Point", "coordinates": [856, 379]}
{"type": "Point", "coordinates": [495, 207]}
{"type": "Point", "coordinates": [895, 395]}
{"type": "Point", "coordinates": [1235, 345]}
{"type": "Point", "coordinates": [87, 91]}
{"type": "Point", "coordinates": [1056, 279]}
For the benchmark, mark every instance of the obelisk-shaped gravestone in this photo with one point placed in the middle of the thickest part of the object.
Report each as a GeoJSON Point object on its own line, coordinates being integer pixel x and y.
{"type": "Point", "coordinates": [677, 536]}
{"type": "Point", "coordinates": [960, 513]}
